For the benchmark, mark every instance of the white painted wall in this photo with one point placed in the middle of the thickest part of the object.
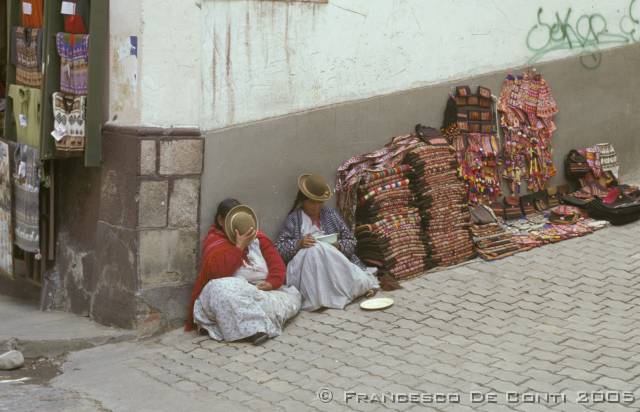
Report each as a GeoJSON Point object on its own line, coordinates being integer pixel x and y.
{"type": "Point", "coordinates": [162, 85]}
{"type": "Point", "coordinates": [125, 20]}
{"type": "Point", "coordinates": [216, 63]}
{"type": "Point", "coordinates": [171, 62]}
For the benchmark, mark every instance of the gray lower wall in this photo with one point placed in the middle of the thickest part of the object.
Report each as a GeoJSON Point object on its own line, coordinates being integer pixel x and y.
{"type": "Point", "coordinates": [259, 163]}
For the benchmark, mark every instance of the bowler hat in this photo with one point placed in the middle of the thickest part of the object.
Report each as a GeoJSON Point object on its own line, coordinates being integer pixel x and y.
{"type": "Point", "coordinates": [241, 218]}
{"type": "Point", "coordinates": [314, 187]}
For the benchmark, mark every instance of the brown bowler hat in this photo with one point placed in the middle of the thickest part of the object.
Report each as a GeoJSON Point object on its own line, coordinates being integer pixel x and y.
{"type": "Point", "coordinates": [242, 218]}
{"type": "Point", "coordinates": [314, 187]}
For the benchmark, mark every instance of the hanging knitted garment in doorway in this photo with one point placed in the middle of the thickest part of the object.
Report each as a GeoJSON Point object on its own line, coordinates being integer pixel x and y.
{"type": "Point", "coordinates": [26, 196]}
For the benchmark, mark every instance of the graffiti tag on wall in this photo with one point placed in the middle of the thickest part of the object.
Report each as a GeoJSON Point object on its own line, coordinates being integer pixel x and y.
{"type": "Point", "coordinates": [585, 34]}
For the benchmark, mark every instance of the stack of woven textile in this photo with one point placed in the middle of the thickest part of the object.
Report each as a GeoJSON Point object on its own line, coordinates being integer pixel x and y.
{"type": "Point", "coordinates": [388, 226]}
{"type": "Point", "coordinates": [351, 172]}
{"type": "Point", "coordinates": [443, 202]}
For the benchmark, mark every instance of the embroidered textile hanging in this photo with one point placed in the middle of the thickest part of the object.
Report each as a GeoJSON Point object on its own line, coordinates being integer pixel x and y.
{"type": "Point", "coordinates": [469, 123]}
{"type": "Point", "coordinates": [526, 108]}
{"type": "Point", "coordinates": [74, 62]}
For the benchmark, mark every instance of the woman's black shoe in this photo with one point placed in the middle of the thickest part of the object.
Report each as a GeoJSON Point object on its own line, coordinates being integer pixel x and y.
{"type": "Point", "coordinates": [259, 338]}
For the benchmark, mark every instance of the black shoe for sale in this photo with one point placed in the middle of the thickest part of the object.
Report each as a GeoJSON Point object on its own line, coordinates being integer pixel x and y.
{"type": "Point", "coordinates": [259, 338]}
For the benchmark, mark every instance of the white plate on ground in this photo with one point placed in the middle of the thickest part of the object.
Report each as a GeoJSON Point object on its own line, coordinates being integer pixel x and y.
{"type": "Point", "coordinates": [376, 303]}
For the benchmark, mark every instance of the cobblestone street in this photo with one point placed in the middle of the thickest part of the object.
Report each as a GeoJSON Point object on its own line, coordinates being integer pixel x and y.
{"type": "Point", "coordinates": [561, 319]}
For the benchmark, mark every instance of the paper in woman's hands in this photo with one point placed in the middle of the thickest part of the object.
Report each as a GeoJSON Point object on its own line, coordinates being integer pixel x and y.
{"type": "Point", "coordinates": [331, 239]}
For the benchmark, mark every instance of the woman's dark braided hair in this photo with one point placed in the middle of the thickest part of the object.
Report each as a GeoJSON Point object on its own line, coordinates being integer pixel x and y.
{"type": "Point", "coordinates": [298, 202]}
{"type": "Point", "coordinates": [223, 209]}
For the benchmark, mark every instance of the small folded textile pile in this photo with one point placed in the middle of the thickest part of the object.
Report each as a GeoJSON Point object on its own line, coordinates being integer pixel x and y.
{"type": "Point", "coordinates": [388, 226]}
{"type": "Point", "coordinates": [442, 201]}
{"type": "Point", "coordinates": [564, 215]}
{"type": "Point", "coordinates": [493, 241]}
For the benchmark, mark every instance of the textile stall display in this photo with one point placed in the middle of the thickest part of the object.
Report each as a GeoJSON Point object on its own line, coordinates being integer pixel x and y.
{"type": "Point", "coordinates": [442, 199]}
{"type": "Point", "coordinates": [52, 41]}
{"type": "Point", "coordinates": [388, 226]}
{"type": "Point", "coordinates": [410, 201]}
{"type": "Point", "coordinates": [69, 104]}
{"type": "Point", "coordinates": [496, 237]}
{"type": "Point", "coordinates": [469, 122]}
{"type": "Point", "coordinates": [526, 108]}
{"type": "Point", "coordinates": [559, 223]}
{"type": "Point", "coordinates": [51, 107]}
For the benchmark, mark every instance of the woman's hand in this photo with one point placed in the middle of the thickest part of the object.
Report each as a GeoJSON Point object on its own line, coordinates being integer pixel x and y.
{"type": "Point", "coordinates": [242, 241]}
{"type": "Point", "coordinates": [265, 286]}
{"type": "Point", "coordinates": [307, 241]}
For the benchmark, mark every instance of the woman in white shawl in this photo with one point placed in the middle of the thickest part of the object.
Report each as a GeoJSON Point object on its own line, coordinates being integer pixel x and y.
{"type": "Point", "coordinates": [239, 293]}
{"type": "Point", "coordinates": [327, 275]}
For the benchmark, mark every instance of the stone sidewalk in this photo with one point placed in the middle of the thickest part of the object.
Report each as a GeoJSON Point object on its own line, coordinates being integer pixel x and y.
{"type": "Point", "coordinates": [36, 333]}
{"type": "Point", "coordinates": [559, 320]}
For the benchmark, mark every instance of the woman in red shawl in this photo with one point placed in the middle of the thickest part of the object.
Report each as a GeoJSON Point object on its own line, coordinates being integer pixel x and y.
{"type": "Point", "coordinates": [239, 293]}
